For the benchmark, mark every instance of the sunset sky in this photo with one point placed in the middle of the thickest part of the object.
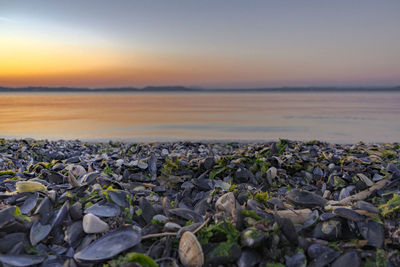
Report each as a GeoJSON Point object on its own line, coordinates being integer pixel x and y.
{"type": "Point", "coordinates": [219, 44]}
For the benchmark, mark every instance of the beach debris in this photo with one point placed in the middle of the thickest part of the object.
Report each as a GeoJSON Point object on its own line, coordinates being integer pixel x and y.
{"type": "Point", "coordinates": [190, 251]}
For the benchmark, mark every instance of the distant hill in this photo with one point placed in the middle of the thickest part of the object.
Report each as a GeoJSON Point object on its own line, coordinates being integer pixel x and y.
{"type": "Point", "coordinates": [188, 89]}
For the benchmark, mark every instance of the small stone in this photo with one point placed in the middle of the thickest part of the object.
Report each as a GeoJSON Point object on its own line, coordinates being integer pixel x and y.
{"type": "Point", "coordinates": [271, 174]}
{"type": "Point", "coordinates": [228, 207]}
{"type": "Point", "coordinates": [76, 170]}
{"type": "Point", "coordinates": [172, 227]}
{"type": "Point", "coordinates": [142, 165]}
{"type": "Point", "coordinates": [93, 224]}
{"type": "Point", "coordinates": [326, 194]}
{"type": "Point", "coordinates": [164, 152]}
{"type": "Point", "coordinates": [119, 162]}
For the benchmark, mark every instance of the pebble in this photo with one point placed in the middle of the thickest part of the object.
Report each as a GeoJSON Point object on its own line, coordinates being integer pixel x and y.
{"type": "Point", "coordinates": [93, 224]}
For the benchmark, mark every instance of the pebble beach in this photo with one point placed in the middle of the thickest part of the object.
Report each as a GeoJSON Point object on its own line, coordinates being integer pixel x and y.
{"type": "Point", "coordinates": [283, 203]}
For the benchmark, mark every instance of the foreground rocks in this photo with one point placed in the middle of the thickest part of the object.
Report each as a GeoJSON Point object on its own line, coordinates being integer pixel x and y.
{"type": "Point", "coordinates": [69, 203]}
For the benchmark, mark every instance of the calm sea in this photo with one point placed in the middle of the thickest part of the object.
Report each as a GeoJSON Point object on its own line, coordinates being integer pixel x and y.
{"type": "Point", "coordinates": [333, 117]}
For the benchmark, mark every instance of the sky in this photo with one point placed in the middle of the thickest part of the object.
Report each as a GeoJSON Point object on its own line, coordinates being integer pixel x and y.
{"type": "Point", "coordinates": [210, 44]}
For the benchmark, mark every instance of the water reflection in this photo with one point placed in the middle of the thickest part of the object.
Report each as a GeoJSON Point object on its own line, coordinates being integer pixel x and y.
{"type": "Point", "coordinates": [335, 117]}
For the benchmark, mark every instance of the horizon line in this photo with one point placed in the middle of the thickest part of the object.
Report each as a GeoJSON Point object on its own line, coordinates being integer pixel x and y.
{"type": "Point", "coordinates": [199, 88]}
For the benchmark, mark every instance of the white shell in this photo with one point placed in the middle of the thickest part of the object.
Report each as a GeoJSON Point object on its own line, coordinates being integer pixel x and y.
{"type": "Point", "coordinates": [190, 251]}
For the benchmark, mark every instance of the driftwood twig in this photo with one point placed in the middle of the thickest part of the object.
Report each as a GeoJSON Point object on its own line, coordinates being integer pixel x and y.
{"type": "Point", "coordinates": [159, 235]}
{"type": "Point", "coordinates": [361, 195]}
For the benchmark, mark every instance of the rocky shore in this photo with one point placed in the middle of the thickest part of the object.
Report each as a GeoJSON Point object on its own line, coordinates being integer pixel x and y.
{"type": "Point", "coordinates": [285, 203]}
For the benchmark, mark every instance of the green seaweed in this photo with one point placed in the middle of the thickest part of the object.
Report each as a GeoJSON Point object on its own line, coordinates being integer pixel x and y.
{"type": "Point", "coordinates": [127, 215]}
{"type": "Point", "coordinates": [170, 166]}
{"type": "Point", "coordinates": [214, 232]}
{"type": "Point", "coordinates": [262, 197]}
{"type": "Point", "coordinates": [156, 222]}
{"type": "Point", "coordinates": [282, 145]}
{"type": "Point", "coordinates": [251, 214]}
{"type": "Point", "coordinates": [132, 257]}
{"type": "Point", "coordinates": [215, 172]}
{"type": "Point", "coordinates": [88, 204]}
{"type": "Point", "coordinates": [8, 172]}
{"type": "Point", "coordinates": [15, 178]}
{"type": "Point", "coordinates": [274, 265]}
{"type": "Point", "coordinates": [18, 214]}
{"type": "Point", "coordinates": [107, 170]}
{"type": "Point", "coordinates": [141, 259]}
{"type": "Point", "coordinates": [138, 212]}
{"type": "Point", "coordinates": [388, 155]}
{"type": "Point", "coordinates": [233, 188]}
{"type": "Point", "coordinates": [392, 206]}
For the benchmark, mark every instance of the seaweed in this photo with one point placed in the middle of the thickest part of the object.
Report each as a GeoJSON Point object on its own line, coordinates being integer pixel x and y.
{"type": "Point", "coordinates": [391, 207]}
{"type": "Point", "coordinates": [215, 172]}
{"type": "Point", "coordinates": [262, 197]}
{"type": "Point", "coordinates": [132, 257]}
{"type": "Point", "coordinates": [251, 214]}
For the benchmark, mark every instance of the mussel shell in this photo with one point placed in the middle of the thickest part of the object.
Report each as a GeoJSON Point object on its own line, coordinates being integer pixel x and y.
{"type": "Point", "coordinates": [29, 203]}
{"type": "Point", "coordinates": [21, 260]}
{"type": "Point", "coordinates": [187, 214]}
{"type": "Point", "coordinates": [104, 210]}
{"type": "Point", "coordinates": [109, 245]}
{"type": "Point", "coordinates": [305, 198]}
{"type": "Point", "coordinates": [39, 232]}
{"type": "Point", "coordinates": [7, 216]}
{"type": "Point", "coordinates": [61, 214]}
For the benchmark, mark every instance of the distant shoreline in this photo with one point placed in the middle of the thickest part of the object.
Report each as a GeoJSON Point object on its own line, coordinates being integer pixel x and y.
{"type": "Point", "coordinates": [196, 90]}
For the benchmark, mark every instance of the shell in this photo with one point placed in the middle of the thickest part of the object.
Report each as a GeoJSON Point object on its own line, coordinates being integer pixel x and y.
{"type": "Point", "coordinates": [27, 186]}
{"type": "Point", "coordinates": [190, 251]}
